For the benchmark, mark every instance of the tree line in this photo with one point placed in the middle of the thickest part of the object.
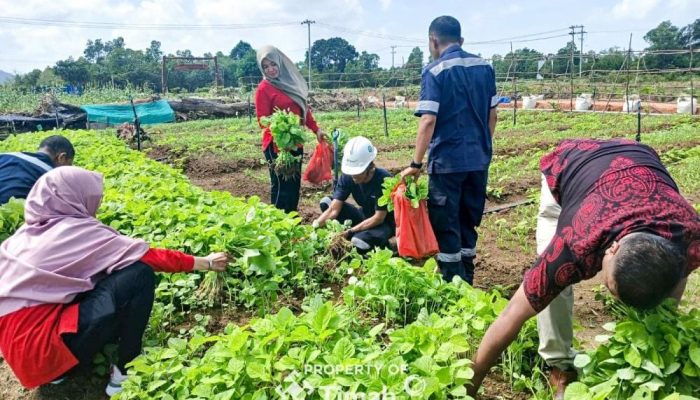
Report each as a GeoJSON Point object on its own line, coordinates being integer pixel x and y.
{"type": "Point", "coordinates": [334, 63]}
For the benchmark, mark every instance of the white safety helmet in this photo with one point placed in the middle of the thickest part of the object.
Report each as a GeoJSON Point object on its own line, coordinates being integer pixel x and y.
{"type": "Point", "coordinates": [357, 155]}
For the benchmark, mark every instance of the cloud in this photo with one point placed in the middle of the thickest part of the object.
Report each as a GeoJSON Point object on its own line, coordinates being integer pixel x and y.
{"type": "Point", "coordinates": [635, 9]}
{"type": "Point", "coordinates": [385, 4]}
{"type": "Point", "coordinates": [23, 46]}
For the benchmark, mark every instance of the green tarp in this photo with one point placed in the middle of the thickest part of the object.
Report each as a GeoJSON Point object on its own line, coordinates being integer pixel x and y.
{"type": "Point", "coordinates": [114, 114]}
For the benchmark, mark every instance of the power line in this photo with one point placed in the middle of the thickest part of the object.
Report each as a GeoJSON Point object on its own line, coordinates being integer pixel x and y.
{"type": "Point", "coordinates": [372, 34]}
{"type": "Point", "coordinates": [515, 39]}
{"type": "Point", "coordinates": [121, 25]}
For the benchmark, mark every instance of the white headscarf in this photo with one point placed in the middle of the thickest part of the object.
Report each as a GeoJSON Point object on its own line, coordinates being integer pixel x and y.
{"type": "Point", "coordinates": [289, 80]}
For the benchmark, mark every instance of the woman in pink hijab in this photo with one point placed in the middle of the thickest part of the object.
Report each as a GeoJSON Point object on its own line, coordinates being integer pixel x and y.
{"type": "Point", "coordinates": [71, 284]}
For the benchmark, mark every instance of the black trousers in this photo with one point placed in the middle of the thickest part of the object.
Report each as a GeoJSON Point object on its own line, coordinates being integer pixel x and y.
{"type": "Point", "coordinates": [366, 240]}
{"type": "Point", "coordinates": [284, 193]}
{"type": "Point", "coordinates": [456, 204]}
{"type": "Point", "coordinates": [115, 311]}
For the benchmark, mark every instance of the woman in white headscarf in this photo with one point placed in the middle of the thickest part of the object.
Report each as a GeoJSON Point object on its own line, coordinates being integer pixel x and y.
{"type": "Point", "coordinates": [282, 88]}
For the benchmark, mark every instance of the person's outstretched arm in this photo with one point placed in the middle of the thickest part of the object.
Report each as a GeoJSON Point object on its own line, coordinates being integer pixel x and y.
{"type": "Point", "coordinates": [500, 334]}
{"type": "Point", "coordinates": [165, 260]}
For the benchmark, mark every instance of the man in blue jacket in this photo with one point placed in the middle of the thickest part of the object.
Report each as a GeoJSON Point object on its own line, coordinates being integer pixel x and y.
{"type": "Point", "coordinates": [457, 110]}
{"type": "Point", "coordinates": [19, 171]}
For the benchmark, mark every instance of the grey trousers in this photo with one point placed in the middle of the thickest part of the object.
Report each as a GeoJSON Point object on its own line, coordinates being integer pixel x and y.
{"type": "Point", "coordinates": [554, 323]}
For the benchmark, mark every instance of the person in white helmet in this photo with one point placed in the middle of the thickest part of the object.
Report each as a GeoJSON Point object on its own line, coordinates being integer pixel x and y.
{"type": "Point", "coordinates": [372, 225]}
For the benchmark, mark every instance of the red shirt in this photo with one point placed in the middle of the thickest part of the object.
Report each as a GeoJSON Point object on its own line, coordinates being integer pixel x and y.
{"type": "Point", "coordinates": [30, 338]}
{"type": "Point", "coordinates": [606, 190]}
{"type": "Point", "coordinates": [268, 98]}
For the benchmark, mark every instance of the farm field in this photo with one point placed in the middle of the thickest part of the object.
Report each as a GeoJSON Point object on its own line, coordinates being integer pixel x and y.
{"type": "Point", "coordinates": [286, 302]}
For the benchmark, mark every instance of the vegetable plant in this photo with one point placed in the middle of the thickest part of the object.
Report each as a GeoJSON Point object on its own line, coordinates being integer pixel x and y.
{"type": "Point", "coordinates": [416, 190]}
{"type": "Point", "coordinates": [289, 135]}
{"type": "Point", "coordinates": [647, 355]}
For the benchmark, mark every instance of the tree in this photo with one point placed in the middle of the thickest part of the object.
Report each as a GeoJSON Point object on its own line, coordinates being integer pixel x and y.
{"type": "Point", "coordinates": [690, 35]}
{"type": "Point", "coordinates": [94, 51]}
{"type": "Point", "coordinates": [49, 78]}
{"type": "Point", "coordinates": [28, 80]}
{"type": "Point", "coordinates": [241, 50]}
{"type": "Point", "coordinates": [247, 67]}
{"type": "Point", "coordinates": [521, 61]}
{"type": "Point", "coordinates": [368, 62]}
{"type": "Point", "coordinates": [153, 53]}
{"type": "Point", "coordinates": [357, 71]}
{"type": "Point", "coordinates": [331, 55]}
{"type": "Point", "coordinates": [76, 72]}
{"type": "Point", "coordinates": [97, 51]}
{"type": "Point", "coordinates": [562, 60]}
{"type": "Point", "coordinates": [415, 59]}
{"type": "Point", "coordinates": [665, 36]}
{"type": "Point", "coordinates": [184, 53]}
{"type": "Point", "coordinates": [611, 59]}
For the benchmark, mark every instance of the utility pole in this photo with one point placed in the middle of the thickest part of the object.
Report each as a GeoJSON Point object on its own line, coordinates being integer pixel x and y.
{"type": "Point", "coordinates": [571, 72]}
{"type": "Point", "coordinates": [308, 23]}
{"type": "Point", "coordinates": [573, 44]}
{"type": "Point", "coordinates": [580, 58]}
{"type": "Point", "coordinates": [393, 51]}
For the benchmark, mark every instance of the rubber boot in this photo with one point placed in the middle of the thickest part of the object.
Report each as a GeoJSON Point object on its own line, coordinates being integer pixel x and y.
{"type": "Point", "coordinates": [451, 269]}
{"type": "Point", "coordinates": [468, 263]}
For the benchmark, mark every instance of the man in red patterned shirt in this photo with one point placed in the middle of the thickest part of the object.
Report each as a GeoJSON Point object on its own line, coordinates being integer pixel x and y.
{"type": "Point", "coordinates": [607, 206]}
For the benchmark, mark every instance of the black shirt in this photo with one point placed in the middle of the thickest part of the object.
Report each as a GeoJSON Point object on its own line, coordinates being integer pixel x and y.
{"type": "Point", "coordinates": [19, 172]}
{"type": "Point", "coordinates": [366, 194]}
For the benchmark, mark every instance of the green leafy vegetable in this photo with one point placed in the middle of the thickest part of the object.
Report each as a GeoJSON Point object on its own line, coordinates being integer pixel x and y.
{"type": "Point", "coordinates": [288, 134]}
{"type": "Point", "coordinates": [415, 191]}
{"type": "Point", "coordinates": [11, 217]}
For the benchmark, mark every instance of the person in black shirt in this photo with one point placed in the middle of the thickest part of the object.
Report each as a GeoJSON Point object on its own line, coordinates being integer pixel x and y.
{"type": "Point", "coordinates": [372, 225]}
{"type": "Point", "coordinates": [19, 171]}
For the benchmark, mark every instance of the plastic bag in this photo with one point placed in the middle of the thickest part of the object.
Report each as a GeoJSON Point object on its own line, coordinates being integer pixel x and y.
{"type": "Point", "coordinates": [414, 234]}
{"type": "Point", "coordinates": [320, 165]}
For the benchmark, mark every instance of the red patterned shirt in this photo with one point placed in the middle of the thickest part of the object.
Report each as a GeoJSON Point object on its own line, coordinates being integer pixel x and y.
{"type": "Point", "coordinates": [606, 189]}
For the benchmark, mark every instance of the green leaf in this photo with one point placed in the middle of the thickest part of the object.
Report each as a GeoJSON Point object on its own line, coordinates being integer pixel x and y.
{"type": "Point", "coordinates": [625, 374]}
{"type": "Point", "coordinates": [651, 367]}
{"type": "Point", "coordinates": [425, 364]}
{"type": "Point", "coordinates": [633, 357]}
{"type": "Point", "coordinates": [654, 384]}
{"type": "Point", "coordinates": [376, 330]}
{"type": "Point", "coordinates": [581, 360]}
{"type": "Point", "coordinates": [257, 370]}
{"type": "Point", "coordinates": [344, 349]}
{"type": "Point", "coordinates": [576, 391]}
{"type": "Point", "coordinates": [694, 353]}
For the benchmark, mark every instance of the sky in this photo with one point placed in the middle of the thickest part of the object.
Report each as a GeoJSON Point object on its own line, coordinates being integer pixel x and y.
{"type": "Point", "coordinates": [374, 26]}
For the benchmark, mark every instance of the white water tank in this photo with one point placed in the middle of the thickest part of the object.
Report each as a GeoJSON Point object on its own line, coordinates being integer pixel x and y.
{"type": "Point", "coordinates": [584, 102]}
{"type": "Point", "coordinates": [529, 102]}
{"type": "Point", "coordinates": [684, 105]}
{"type": "Point", "coordinates": [631, 104]}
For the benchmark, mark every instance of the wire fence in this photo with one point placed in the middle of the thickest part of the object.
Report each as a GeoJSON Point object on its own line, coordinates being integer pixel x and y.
{"type": "Point", "coordinates": [610, 76]}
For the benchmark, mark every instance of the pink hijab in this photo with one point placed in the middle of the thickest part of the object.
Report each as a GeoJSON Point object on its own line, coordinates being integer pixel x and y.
{"type": "Point", "coordinates": [62, 250]}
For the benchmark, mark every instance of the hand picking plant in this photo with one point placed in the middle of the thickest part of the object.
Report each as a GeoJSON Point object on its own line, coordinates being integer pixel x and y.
{"type": "Point", "coordinates": [288, 133]}
{"type": "Point", "coordinates": [415, 191]}
{"type": "Point", "coordinates": [272, 251]}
